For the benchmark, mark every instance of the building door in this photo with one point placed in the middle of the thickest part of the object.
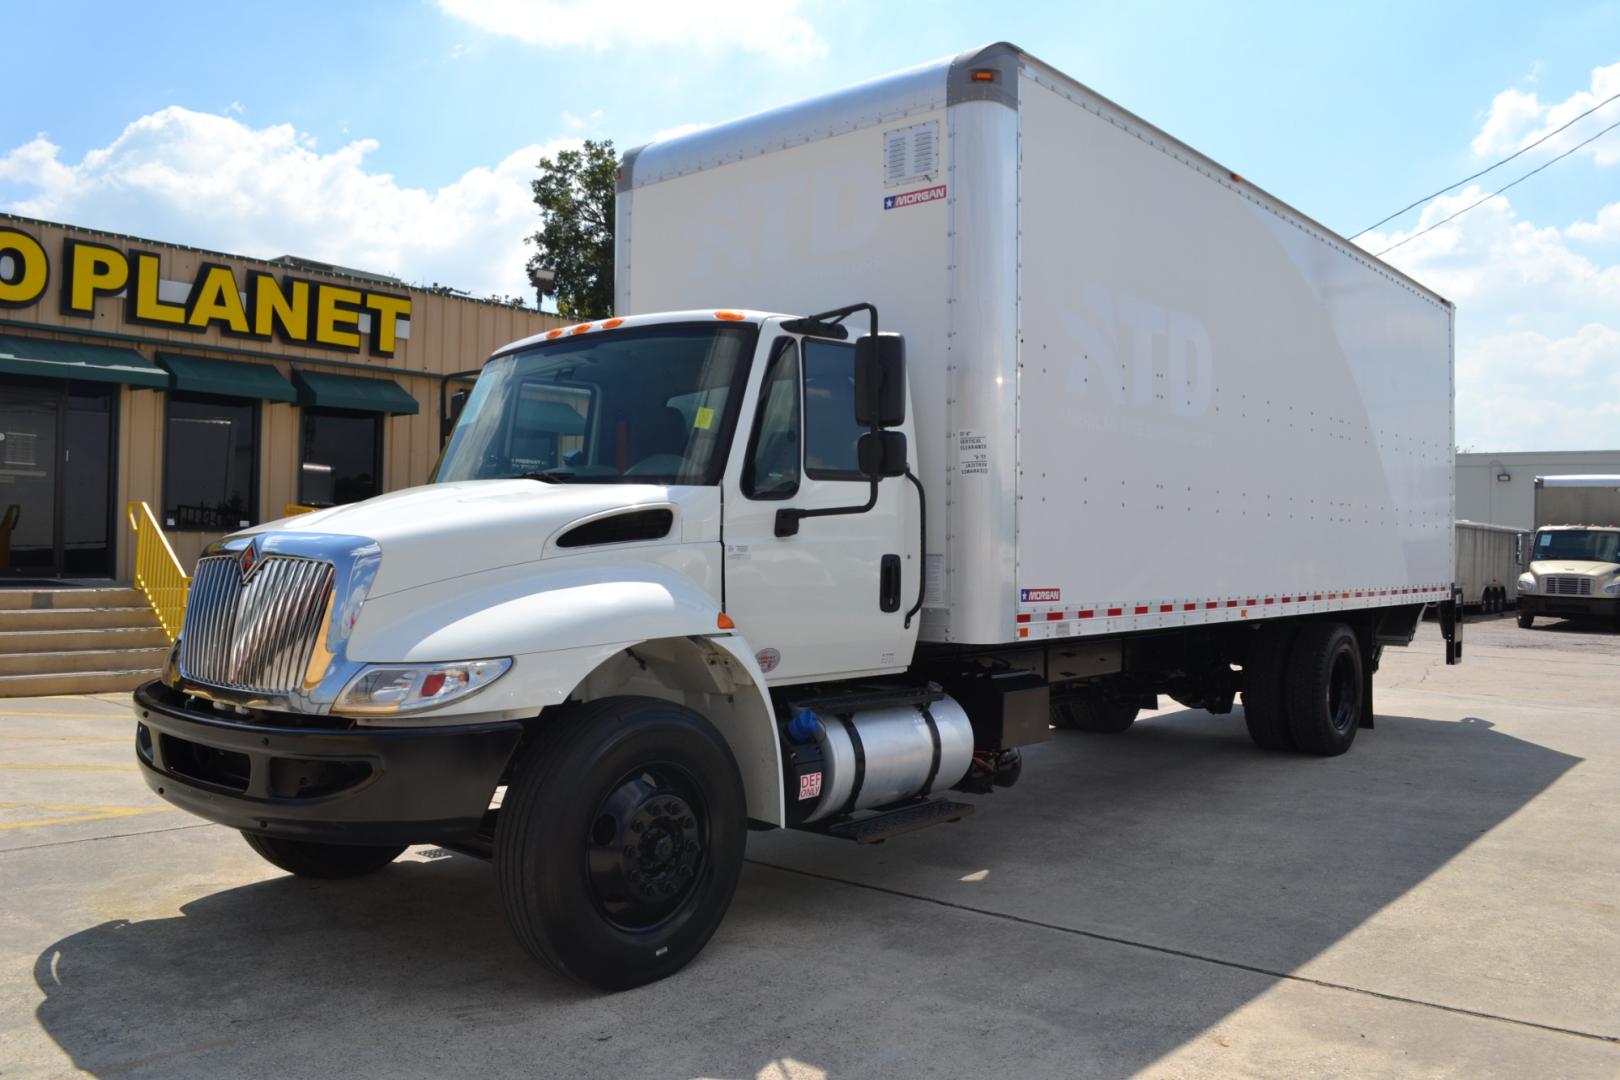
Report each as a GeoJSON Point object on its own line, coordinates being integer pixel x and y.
{"type": "Point", "coordinates": [56, 463]}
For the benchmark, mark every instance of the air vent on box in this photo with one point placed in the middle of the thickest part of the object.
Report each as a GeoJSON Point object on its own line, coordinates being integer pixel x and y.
{"type": "Point", "coordinates": [625, 528]}
{"type": "Point", "coordinates": [911, 153]}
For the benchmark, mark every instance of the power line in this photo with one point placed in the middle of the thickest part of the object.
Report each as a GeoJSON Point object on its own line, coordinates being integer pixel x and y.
{"type": "Point", "coordinates": [1501, 189]}
{"type": "Point", "coordinates": [1491, 168]}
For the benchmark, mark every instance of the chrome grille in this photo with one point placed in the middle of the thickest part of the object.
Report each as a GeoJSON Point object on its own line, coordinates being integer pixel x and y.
{"type": "Point", "coordinates": [1559, 585]}
{"type": "Point", "coordinates": [258, 634]}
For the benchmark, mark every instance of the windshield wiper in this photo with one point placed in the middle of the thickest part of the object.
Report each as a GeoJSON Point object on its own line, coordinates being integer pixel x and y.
{"type": "Point", "coordinates": [549, 476]}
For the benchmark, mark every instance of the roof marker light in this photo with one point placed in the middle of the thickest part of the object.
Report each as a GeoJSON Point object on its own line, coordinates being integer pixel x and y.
{"type": "Point", "coordinates": [611, 323]}
{"type": "Point", "coordinates": [580, 329]}
{"type": "Point", "coordinates": [729, 316]}
{"type": "Point", "coordinates": [983, 75]}
{"type": "Point", "coordinates": [552, 334]}
{"type": "Point", "coordinates": [723, 621]}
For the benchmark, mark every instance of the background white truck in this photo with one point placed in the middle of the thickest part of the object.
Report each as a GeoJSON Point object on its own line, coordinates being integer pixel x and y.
{"type": "Point", "coordinates": [1574, 568]}
{"type": "Point", "coordinates": [701, 567]}
{"type": "Point", "coordinates": [1489, 558]}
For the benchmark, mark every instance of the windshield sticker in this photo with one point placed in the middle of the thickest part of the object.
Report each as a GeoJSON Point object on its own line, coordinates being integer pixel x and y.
{"type": "Point", "coordinates": [912, 198]}
{"type": "Point", "coordinates": [704, 418]}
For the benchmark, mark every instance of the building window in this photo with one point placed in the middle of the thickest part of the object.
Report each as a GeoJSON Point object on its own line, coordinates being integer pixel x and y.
{"type": "Point", "coordinates": [341, 457]}
{"type": "Point", "coordinates": [211, 463]}
{"type": "Point", "coordinates": [831, 435]}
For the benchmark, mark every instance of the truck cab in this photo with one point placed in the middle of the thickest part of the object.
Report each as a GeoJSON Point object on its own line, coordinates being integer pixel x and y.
{"type": "Point", "coordinates": [1574, 560]}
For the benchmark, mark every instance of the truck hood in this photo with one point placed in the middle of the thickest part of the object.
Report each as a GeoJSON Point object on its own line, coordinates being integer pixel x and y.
{"type": "Point", "coordinates": [1577, 567]}
{"type": "Point", "coordinates": [441, 531]}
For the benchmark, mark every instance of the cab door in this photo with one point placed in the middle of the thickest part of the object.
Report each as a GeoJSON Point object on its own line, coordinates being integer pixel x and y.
{"type": "Point", "coordinates": [830, 599]}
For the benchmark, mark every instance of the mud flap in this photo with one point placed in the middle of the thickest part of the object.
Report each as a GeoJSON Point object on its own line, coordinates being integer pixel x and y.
{"type": "Point", "coordinates": [1451, 625]}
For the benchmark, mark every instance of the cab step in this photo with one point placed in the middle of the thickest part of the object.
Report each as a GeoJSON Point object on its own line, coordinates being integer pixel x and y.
{"type": "Point", "coordinates": [876, 828]}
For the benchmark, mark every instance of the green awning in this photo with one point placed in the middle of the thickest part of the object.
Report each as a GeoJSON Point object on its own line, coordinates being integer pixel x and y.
{"type": "Point", "coordinates": [230, 378]}
{"type": "Point", "coordinates": [353, 392]}
{"type": "Point", "coordinates": [71, 360]}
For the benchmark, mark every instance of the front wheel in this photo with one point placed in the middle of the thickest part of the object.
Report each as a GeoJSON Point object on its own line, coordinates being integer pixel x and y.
{"type": "Point", "coordinates": [620, 840]}
{"type": "Point", "coordinates": [306, 858]}
{"type": "Point", "coordinates": [1526, 620]}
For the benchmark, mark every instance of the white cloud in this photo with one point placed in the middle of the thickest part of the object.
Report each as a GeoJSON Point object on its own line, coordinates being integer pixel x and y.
{"type": "Point", "coordinates": [1517, 118]}
{"type": "Point", "coordinates": [1538, 325]}
{"type": "Point", "coordinates": [212, 181]}
{"type": "Point", "coordinates": [771, 27]}
{"type": "Point", "coordinates": [1604, 228]}
{"type": "Point", "coordinates": [580, 123]}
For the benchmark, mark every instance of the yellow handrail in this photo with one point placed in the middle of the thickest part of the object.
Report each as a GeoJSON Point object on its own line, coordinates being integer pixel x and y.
{"type": "Point", "coordinates": [158, 572]}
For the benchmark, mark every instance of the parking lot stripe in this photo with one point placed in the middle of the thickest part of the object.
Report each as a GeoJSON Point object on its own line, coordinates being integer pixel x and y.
{"type": "Point", "coordinates": [99, 813]}
{"type": "Point", "coordinates": [73, 768]}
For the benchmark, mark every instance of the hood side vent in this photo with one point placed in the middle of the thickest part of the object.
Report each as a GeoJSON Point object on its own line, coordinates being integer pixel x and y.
{"type": "Point", "coordinates": [620, 529]}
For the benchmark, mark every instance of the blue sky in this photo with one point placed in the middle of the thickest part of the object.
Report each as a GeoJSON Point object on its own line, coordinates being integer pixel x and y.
{"type": "Point", "coordinates": [399, 136]}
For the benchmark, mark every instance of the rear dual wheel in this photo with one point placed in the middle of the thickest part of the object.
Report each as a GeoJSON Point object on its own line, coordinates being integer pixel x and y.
{"type": "Point", "coordinates": [1304, 688]}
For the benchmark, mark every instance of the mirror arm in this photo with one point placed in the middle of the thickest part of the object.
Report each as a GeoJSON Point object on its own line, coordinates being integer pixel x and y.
{"type": "Point", "coordinates": [787, 519]}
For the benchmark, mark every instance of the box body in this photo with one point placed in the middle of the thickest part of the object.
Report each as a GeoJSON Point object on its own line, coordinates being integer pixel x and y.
{"type": "Point", "coordinates": [1145, 393]}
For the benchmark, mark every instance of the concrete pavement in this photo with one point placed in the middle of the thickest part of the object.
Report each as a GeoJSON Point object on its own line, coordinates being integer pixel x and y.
{"type": "Point", "coordinates": [1171, 902]}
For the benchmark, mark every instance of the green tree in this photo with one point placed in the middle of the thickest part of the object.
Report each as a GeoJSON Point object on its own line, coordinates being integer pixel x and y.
{"type": "Point", "coordinates": [575, 194]}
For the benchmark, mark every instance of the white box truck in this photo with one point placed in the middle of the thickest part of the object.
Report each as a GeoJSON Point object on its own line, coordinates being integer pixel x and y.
{"type": "Point", "coordinates": [1488, 558]}
{"type": "Point", "coordinates": [938, 412]}
{"type": "Point", "coordinates": [1574, 568]}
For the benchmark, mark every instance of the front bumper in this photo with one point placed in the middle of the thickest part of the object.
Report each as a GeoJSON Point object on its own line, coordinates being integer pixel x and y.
{"type": "Point", "coordinates": [1574, 607]}
{"type": "Point", "coordinates": [334, 785]}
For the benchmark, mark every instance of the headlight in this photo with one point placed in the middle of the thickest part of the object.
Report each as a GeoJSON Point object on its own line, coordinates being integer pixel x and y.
{"type": "Point", "coordinates": [1527, 583]}
{"type": "Point", "coordinates": [1612, 587]}
{"type": "Point", "coordinates": [382, 689]}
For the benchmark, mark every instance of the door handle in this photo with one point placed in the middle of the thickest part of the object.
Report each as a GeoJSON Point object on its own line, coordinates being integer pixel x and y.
{"type": "Point", "coordinates": [889, 584]}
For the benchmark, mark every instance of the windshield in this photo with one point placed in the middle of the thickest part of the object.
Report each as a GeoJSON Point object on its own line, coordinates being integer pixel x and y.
{"type": "Point", "coordinates": [645, 406]}
{"type": "Point", "coordinates": [1590, 545]}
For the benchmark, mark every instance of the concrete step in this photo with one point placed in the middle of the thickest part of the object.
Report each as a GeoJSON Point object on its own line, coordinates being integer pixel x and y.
{"type": "Point", "coordinates": [94, 639]}
{"type": "Point", "coordinates": [78, 682]}
{"type": "Point", "coordinates": [96, 597]}
{"type": "Point", "coordinates": [63, 663]}
{"type": "Point", "coordinates": [77, 618]}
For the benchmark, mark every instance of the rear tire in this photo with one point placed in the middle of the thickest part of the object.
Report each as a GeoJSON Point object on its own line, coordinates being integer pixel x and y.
{"type": "Point", "coordinates": [1095, 716]}
{"type": "Point", "coordinates": [1526, 620]}
{"type": "Point", "coordinates": [620, 840]}
{"type": "Point", "coordinates": [329, 862]}
{"type": "Point", "coordinates": [1324, 689]}
{"type": "Point", "coordinates": [1263, 671]}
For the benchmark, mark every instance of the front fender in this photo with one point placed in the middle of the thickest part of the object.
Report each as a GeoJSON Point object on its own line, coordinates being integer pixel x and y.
{"type": "Point", "coordinates": [544, 609]}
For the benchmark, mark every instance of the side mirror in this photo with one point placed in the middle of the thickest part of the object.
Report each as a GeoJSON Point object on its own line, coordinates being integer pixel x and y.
{"type": "Point", "coordinates": [458, 401]}
{"type": "Point", "coordinates": [880, 380]}
{"type": "Point", "coordinates": [882, 455]}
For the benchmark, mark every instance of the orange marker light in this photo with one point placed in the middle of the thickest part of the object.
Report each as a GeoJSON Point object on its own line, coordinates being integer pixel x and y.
{"type": "Point", "coordinates": [729, 316]}
{"type": "Point", "coordinates": [557, 333]}
{"type": "Point", "coordinates": [723, 621]}
{"type": "Point", "coordinates": [581, 328]}
{"type": "Point", "coordinates": [611, 323]}
{"type": "Point", "coordinates": [983, 75]}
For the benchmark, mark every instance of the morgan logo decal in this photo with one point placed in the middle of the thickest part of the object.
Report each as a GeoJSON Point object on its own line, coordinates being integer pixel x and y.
{"type": "Point", "coordinates": [767, 659]}
{"type": "Point", "coordinates": [1040, 596]}
{"type": "Point", "coordinates": [912, 198]}
{"type": "Point", "coordinates": [809, 786]}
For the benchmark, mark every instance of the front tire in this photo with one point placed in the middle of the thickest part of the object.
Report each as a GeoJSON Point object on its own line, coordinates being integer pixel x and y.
{"type": "Point", "coordinates": [620, 840]}
{"type": "Point", "coordinates": [1526, 620]}
{"type": "Point", "coordinates": [1324, 689]}
{"type": "Point", "coordinates": [329, 862]}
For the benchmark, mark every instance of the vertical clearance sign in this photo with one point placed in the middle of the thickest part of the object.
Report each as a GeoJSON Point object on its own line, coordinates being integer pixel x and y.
{"type": "Point", "coordinates": [261, 307]}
